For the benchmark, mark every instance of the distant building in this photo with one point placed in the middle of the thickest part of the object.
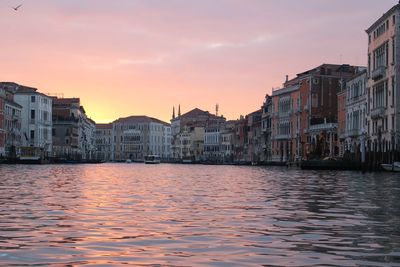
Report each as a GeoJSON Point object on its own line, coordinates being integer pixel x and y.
{"type": "Point", "coordinates": [227, 146]}
{"type": "Point", "coordinates": [2, 126]}
{"type": "Point", "coordinates": [135, 137]}
{"type": "Point", "coordinates": [384, 81]}
{"type": "Point", "coordinates": [342, 113]}
{"type": "Point", "coordinates": [254, 135]}
{"type": "Point", "coordinates": [356, 111]}
{"type": "Point", "coordinates": [240, 153]}
{"type": "Point", "coordinates": [10, 133]}
{"type": "Point", "coordinates": [104, 141]}
{"type": "Point", "coordinates": [285, 126]}
{"type": "Point", "coordinates": [73, 131]}
{"type": "Point", "coordinates": [188, 133]}
{"type": "Point", "coordinates": [266, 128]}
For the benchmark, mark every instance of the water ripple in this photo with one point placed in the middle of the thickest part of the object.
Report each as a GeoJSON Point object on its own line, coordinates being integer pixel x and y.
{"type": "Point", "coordinates": [178, 215]}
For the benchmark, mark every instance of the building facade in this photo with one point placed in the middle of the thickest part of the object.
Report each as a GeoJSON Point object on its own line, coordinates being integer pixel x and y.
{"type": "Point", "coordinates": [188, 134]}
{"type": "Point", "coordinates": [73, 132]}
{"type": "Point", "coordinates": [103, 142]}
{"type": "Point", "coordinates": [383, 118]}
{"type": "Point", "coordinates": [135, 137]}
{"type": "Point", "coordinates": [356, 111]}
{"type": "Point", "coordinates": [266, 128]}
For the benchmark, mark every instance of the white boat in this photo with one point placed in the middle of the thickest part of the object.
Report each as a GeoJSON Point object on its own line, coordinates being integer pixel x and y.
{"type": "Point", "coordinates": [395, 167]}
{"type": "Point", "coordinates": [152, 159]}
{"type": "Point", "coordinates": [128, 161]}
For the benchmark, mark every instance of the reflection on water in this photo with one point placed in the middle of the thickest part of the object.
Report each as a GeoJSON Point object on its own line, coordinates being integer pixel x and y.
{"type": "Point", "coordinates": [178, 215]}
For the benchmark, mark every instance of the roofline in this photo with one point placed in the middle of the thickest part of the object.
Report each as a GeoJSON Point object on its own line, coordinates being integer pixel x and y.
{"type": "Point", "coordinates": [382, 18]}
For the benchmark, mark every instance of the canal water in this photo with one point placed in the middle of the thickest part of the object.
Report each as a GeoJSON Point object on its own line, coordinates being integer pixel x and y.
{"type": "Point", "coordinates": [194, 215]}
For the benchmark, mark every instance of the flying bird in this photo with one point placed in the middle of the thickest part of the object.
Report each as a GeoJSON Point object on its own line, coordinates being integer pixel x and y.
{"type": "Point", "coordinates": [17, 7]}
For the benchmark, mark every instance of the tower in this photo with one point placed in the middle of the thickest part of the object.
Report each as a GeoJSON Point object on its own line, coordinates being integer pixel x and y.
{"type": "Point", "coordinates": [216, 109]}
{"type": "Point", "coordinates": [179, 110]}
{"type": "Point", "coordinates": [173, 112]}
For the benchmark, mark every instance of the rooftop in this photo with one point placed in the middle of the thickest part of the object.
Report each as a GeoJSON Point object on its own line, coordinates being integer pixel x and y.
{"type": "Point", "coordinates": [140, 119]}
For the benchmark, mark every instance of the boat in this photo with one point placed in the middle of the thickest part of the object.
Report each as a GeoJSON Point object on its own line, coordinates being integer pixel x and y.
{"type": "Point", "coordinates": [128, 161]}
{"type": "Point", "coordinates": [395, 167]}
{"type": "Point", "coordinates": [152, 159]}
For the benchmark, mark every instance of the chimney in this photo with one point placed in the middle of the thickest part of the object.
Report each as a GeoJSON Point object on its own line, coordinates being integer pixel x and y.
{"type": "Point", "coordinates": [287, 78]}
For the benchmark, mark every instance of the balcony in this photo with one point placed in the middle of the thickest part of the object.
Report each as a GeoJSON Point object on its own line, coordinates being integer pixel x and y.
{"type": "Point", "coordinates": [354, 132]}
{"type": "Point", "coordinates": [378, 73]}
{"type": "Point", "coordinates": [323, 127]}
{"type": "Point", "coordinates": [377, 113]}
{"type": "Point", "coordinates": [282, 137]}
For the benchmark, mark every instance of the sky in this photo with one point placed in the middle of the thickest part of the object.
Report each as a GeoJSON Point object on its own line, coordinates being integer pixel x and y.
{"type": "Point", "coordinates": [142, 57]}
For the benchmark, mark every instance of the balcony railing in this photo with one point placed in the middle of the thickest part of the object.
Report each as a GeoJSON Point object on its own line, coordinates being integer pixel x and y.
{"type": "Point", "coordinates": [323, 127]}
{"type": "Point", "coordinates": [377, 113]}
{"type": "Point", "coordinates": [378, 73]}
{"type": "Point", "coordinates": [354, 132]}
{"type": "Point", "coordinates": [282, 136]}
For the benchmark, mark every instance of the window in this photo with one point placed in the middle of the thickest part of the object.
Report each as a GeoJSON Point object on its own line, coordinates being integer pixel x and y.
{"type": "Point", "coordinates": [394, 19]}
{"type": "Point", "coordinates": [380, 55]}
{"type": "Point", "coordinates": [33, 99]}
{"type": "Point", "coordinates": [32, 134]}
{"type": "Point", "coordinates": [32, 114]}
{"type": "Point", "coordinates": [393, 50]}
{"type": "Point", "coordinates": [53, 132]}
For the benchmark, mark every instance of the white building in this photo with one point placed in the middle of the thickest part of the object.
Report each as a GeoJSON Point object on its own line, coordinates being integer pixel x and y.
{"type": "Point", "coordinates": [384, 81]}
{"type": "Point", "coordinates": [36, 118]}
{"type": "Point", "coordinates": [356, 110]}
{"type": "Point", "coordinates": [103, 141]}
{"type": "Point", "coordinates": [135, 137]}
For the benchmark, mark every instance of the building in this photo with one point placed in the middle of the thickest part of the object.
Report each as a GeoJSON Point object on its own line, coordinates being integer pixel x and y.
{"type": "Point", "coordinates": [266, 128]}
{"type": "Point", "coordinates": [254, 137]}
{"type": "Point", "coordinates": [342, 113]}
{"type": "Point", "coordinates": [73, 132]}
{"type": "Point", "coordinates": [240, 142]}
{"type": "Point", "coordinates": [2, 128]}
{"type": "Point", "coordinates": [135, 137]}
{"type": "Point", "coordinates": [356, 111]}
{"type": "Point", "coordinates": [12, 121]}
{"type": "Point", "coordinates": [10, 133]}
{"type": "Point", "coordinates": [285, 125]}
{"type": "Point", "coordinates": [103, 141]}
{"type": "Point", "coordinates": [383, 114]}
{"type": "Point", "coordinates": [188, 133]}
{"type": "Point", "coordinates": [227, 142]}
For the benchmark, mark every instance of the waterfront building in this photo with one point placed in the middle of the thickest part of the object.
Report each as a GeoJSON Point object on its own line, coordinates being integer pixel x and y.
{"type": "Point", "coordinates": [240, 153]}
{"type": "Point", "coordinates": [10, 122]}
{"type": "Point", "coordinates": [212, 143]}
{"type": "Point", "coordinates": [305, 113]}
{"type": "Point", "coordinates": [12, 125]}
{"type": "Point", "coordinates": [188, 133]}
{"type": "Point", "coordinates": [266, 128]}
{"type": "Point", "coordinates": [73, 131]}
{"type": "Point", "coordinates": [135, 137]}
{"type": "Point", "coordinates": [86, 133]}
{"type": "Point", "coordinates": [103, 141]}
{"type": "Point", "coordinates": [383, 116]}
{"type": "Point", "coordinates": [356, 111]}
{"type": "Point", "coordinates": [254, 137]}
{"type": "Point", "coordinates": [227, 142]}
{"type": "Point", "coordinates": [2, 129]}
{"type": "Point", "coordinates": [36, 121]}
{"type": "Point", "coordinates": [342, 113]}
{"type": "Point", "coordinates": [285, 125]}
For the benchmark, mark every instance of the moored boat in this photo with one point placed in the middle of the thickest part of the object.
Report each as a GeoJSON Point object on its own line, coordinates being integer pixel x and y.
{"type": "Point", "coordinates": [152, 159]}
{"type": "Point", "coordinates": [395, 167]}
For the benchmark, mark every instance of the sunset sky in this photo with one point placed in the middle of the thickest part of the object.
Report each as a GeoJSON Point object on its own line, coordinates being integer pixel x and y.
{"type": "Point", "coordinates": [141, 57]}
